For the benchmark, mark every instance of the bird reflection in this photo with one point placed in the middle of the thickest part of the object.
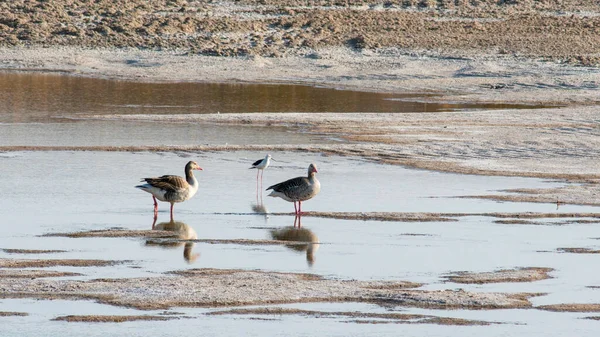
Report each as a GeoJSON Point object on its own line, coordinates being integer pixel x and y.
{"type": "Point", "coordinates": [260, 208]}
{"type": "Point", "coordinates": [183, 232]}
{"type": "Point", "coordinates": [304, 240]}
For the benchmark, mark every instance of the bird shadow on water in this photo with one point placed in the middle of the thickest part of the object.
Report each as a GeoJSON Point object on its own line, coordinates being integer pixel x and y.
{"type": "Point", "coordinates": [182, 231]}
{"type": "Point", "coordinates": [301, 239]}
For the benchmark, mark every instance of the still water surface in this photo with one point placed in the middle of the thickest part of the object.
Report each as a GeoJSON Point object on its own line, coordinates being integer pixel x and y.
{"type": "Point", "coordinates": [35, 97]}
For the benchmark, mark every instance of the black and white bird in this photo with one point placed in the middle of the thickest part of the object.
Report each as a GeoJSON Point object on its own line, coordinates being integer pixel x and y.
{"type": "Point", "coordinates": [298, 189]}
{"type": "Point", "coordinates": [172, 189]}
{"type": "Point", "coordinates": [260, 165]}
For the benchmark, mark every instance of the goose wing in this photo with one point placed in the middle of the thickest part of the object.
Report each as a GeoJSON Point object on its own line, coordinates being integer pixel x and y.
{"type": "Point", "coordinates": [291, 187]}
{"type": "Point", "coordinates": [167, 182]}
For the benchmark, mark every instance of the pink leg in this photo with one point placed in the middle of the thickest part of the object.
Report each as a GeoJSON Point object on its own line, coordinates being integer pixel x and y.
{"type": "Point", "coordinates": [299, 207]}
{"type": "Point", "coordinates": [172, 211]}
{"type": "Point", "coordinates": [155, 206]}
{"type": "Point", "coordinates": [295, 219]}
{"type": "Point", "coordinates": [295, 209]}
{"type": "Point", "coordinates": [154, 222]}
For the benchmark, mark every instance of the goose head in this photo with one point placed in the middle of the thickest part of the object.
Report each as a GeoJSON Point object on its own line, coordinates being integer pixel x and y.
{"type": "Point", "coordinates": [312, 169]}
{"type": "Point", "coordinates": [192, 165]}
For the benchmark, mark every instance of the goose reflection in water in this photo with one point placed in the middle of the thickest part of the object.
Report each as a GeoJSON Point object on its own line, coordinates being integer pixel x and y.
{"type": "Point", "coordinates": [304, 240]}
{"type": "Point", "coordinates": [182, 232]}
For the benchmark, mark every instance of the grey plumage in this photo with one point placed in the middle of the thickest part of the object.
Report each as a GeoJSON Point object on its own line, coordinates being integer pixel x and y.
{"type": "Point", "coordinates": [298, 189]}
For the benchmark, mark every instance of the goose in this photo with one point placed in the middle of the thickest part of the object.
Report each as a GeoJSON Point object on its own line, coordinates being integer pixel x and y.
{"type": "Point", "coordinates": [298, 189]}
{"type": "Point", "coordinates": [261, 165]}
{"type": "Point", "coordinates": [172, 189]}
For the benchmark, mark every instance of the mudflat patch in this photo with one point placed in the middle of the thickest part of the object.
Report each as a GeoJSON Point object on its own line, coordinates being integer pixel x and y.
{"type": "Point", "coordinates": [12, 313]}
{"type": "Point", "coordinates": [111, 318]}
{"type": "Point", "coordinates": [32, 251]}
{"type": "Point", "coordinates": [571, 307]}
{"type": "Point", "coordinates": [29, 273]}
{"type": "Point", "coordinates": [218, 288]}
{"type": "Point", "coordinates": [356, 316]}
{"type": "Point", "coordinates": [38, 263]}
{"type": "Point", "coordinates": [501, 276]}
{"type": "Point", "coordinates": [578, 250]}
{"type": "Point", "coordinates": [165, 237]}
{"type": "Point", "coordinates": [116, 233]}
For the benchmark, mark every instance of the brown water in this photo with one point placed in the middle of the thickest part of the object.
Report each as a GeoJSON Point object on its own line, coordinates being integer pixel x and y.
{"type": "Point", "coordinates": [34, 97]}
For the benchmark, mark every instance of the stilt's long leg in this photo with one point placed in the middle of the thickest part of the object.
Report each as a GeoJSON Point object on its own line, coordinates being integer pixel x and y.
{"type": "Point", "coordinates": [172, 204]}
{"type": "Point", "coordinates": [261, 179]}
{"type": "Point", "coordinates": [295, 209]}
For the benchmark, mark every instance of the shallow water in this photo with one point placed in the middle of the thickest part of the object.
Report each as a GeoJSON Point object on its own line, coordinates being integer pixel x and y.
{"type": "Point", "coordinates": [34, 97]}
{"type": "Point", "coordinates": [95, 191]}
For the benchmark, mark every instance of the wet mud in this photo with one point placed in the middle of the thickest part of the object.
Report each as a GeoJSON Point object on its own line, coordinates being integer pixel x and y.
{"type": "Point", "coordinates": [32, 274]}
{"type": "Point", "coordinates": [32, 251]}
{"type": "Point", "coordinates": [530, 274]}
{"type": "Point", "coordinates": [111, 318]}
{"type": "Point", "coordinates": [41, 263]}
{"type": "Point", "coordinates": [571, 307]}
{"type": "Point", "coordinates": [358, 317]}
{"type": "Point", "coordinates": [218, 288]}
{"type": "Point", "coordinates": [578, 250]}
{"type": "Point", "coordinates": [12, 313]}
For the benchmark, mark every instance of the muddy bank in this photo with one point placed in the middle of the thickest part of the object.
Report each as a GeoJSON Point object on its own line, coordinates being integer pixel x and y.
{"type": "Point", "coordinates": [37, 263]}
{"type": "Point", "coordinates": [501, 276]}
{"type": "Point", "coordinates": [12, 313]}
{"type": "Point", "coordinates": [217, 288]}
{"type": "Point", "coordinates": [571, 307]}
{"type": "Point", "coordinates": [169, 238]}
{"type": "Point", "coordinates": [28, 273]}
{"type": "Point", "coordinates": [32, 251]}
{"type": "Point", "coordinates": [354, 316]}
{"type": "Point", "coordinates": [578, 250]}
{"type": "Point", "coordinates": [111, 318]}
